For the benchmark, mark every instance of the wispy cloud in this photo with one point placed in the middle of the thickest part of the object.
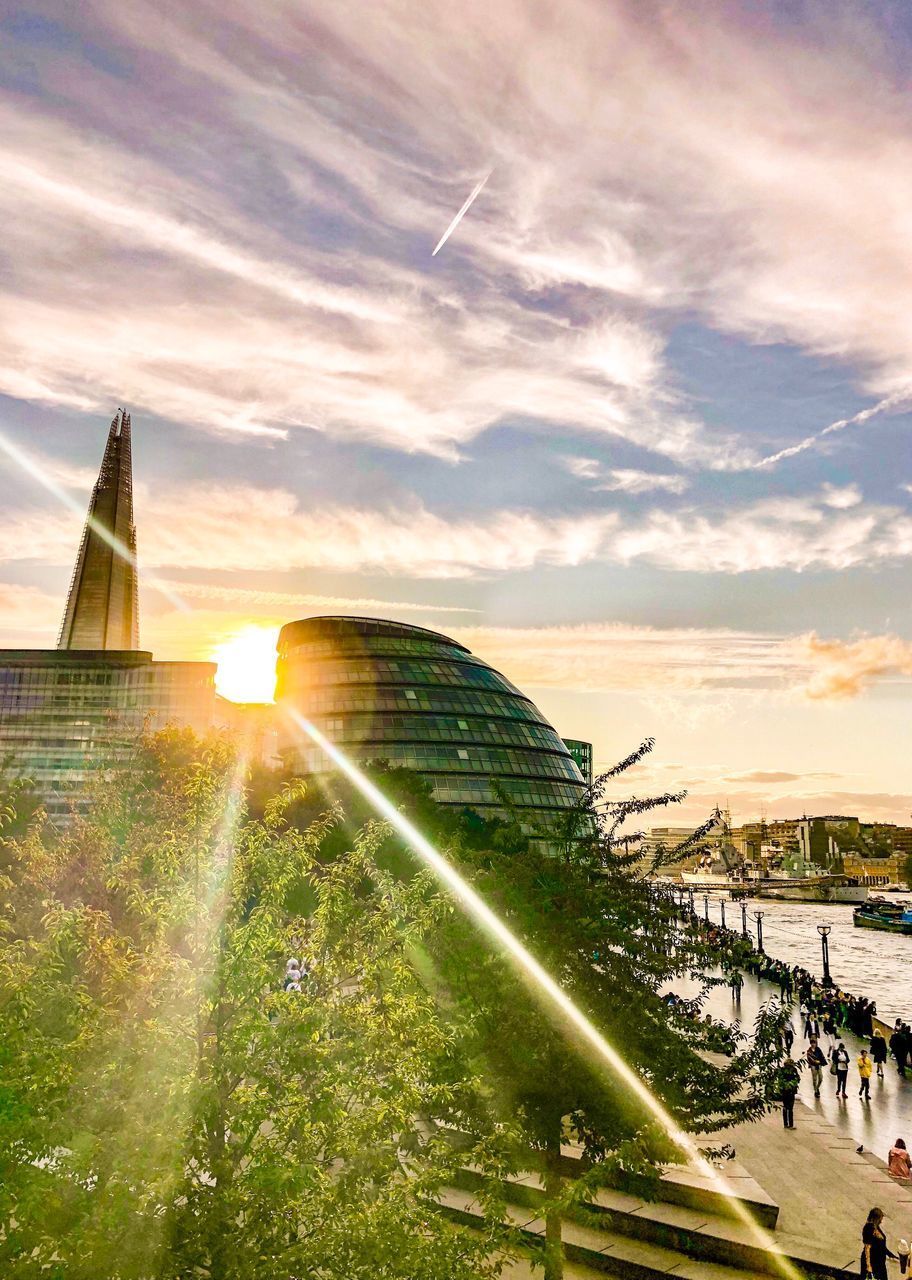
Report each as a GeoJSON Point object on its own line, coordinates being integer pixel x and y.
{"type": "Point", "coordinates": [195, 527]}
{"type": "Point", "coordinates": [238, 595]}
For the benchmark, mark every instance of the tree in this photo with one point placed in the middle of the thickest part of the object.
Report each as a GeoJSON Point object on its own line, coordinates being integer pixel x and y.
{"type": "Point", "coordinates": [166, 1109]}
{"type": "Point", "coordinates": [580, 899]}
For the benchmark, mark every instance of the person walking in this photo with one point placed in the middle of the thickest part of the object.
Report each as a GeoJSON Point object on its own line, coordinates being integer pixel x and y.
{"type": "Point", "coordinates": [788, 1037]}
{"type": "Point", "coordinates": [839, 1064]}
{"type": "Point", "coordinates": [874, 1248]}
{"type": "Point", "coordinates": [816, 1060]}
{"type": "Point", "coordinates": [811, 1027]}
{"type": "Point", "coordinates": [736, 982]}
{"type": "Point", "coordinates": [898, 1162]}
{"type": "Point", "coordinates": [865, 1067]}
{"type": "Point", "coordinates": [878, 1052]}
{"type": "Point", "coordinates": [899, 1047]}
{"type": "Point", "coordinates": [788, 1088]}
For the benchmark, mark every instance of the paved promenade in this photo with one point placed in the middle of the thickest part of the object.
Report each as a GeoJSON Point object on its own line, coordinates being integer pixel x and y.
{"type": "Point", "coordinates": [877, 1124]}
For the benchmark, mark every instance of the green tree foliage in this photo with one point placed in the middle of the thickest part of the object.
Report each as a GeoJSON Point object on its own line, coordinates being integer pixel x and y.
{"type": "Point", "coordinates": [166, 1108]}
{"type": "Point", "coordinates": [580, 900]}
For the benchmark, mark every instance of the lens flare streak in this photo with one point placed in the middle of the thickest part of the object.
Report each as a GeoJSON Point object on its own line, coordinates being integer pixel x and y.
{"type": "Point", "coordinates": [31, 468]}
{"type": "Point", "coordinates": [479, 910]}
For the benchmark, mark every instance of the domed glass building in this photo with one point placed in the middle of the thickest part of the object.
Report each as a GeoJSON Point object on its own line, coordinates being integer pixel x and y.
{"type": "Point", "coordinates": [386, 691]}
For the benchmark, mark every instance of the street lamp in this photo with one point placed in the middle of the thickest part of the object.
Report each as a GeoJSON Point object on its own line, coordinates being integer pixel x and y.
{"type": "Point", "coordinates": [722, 910]}
{"type": "Point", "coordinates": [706, 907]}
{"type": "Point", "coordinates": [758, 916]}
{"type": "Point", "coordinates": [824, 931]}
{"type": "Point", "coordinates": [743, 919]}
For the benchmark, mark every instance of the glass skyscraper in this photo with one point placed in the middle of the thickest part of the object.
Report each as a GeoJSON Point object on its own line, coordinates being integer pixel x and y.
{"type": "Point", "coordinates": [66, 712]}
{"type": "Point", "coordinates": [388, 691]}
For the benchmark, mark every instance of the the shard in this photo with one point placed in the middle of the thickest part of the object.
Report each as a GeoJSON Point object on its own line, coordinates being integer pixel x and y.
{"type": "Point", "coordinates": [102, 609]}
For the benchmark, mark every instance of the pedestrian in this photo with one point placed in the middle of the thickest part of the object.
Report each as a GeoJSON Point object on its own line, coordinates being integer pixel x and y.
{"type": "Point", "coordinates": [874, 1248]}
{"type": "Point", "coordinates": [811, 1027]}
{"type": "Point", "coordinates": [788, 1088]}
{"type": "Point", "coordinates": [736, 982]}
{"type": "Point", "coordinates": [865, 1067]}
{"type": "Point", "coordinates": [898, 1161]}
{"type": "Point", "coordinates": [839, 1065]}
{"type": "Point", "coordinates": [788, 1037]}
{"type": "Point", "coordinates": [816, 1060]}
{"type": "Point", "coordinates": [878, 1051]}
{"type": "Point", "coordinates": [899, 1047]}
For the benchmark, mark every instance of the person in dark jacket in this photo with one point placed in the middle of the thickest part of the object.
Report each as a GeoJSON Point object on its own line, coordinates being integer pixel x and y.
{"type": "Point", "coordinates": [878, 1052]}
{"type": "Point", "coordinates": [840, 1059]}
{"type": "Point", "coordinates": [788, 1088]}
{"type": "Point", "coordinates": [816, 1060]}
{"type": "Point", "coordinates": [874, 1248]}
{"type": "Point", "coordinates": [899, 1047]}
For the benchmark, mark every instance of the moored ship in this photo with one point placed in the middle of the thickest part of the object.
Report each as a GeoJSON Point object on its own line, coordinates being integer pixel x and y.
{"type": "Point", "coordinates": [877, 913]}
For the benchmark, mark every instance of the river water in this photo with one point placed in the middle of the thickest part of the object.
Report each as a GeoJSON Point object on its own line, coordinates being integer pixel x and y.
{"type": "Point", "coordinates": [864, 962]}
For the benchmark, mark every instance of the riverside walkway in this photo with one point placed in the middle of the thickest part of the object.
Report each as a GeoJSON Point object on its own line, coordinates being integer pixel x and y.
{"type": "Point", "coordinates": [876, 1124]}
{"type": "Point", "coordinates": [818, 1186]}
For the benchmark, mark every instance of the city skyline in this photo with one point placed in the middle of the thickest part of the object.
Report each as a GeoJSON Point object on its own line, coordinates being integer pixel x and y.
{"type": "Point", "coordinates": [548, 440]}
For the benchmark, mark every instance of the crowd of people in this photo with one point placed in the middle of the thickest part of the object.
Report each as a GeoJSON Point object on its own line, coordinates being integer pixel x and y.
{"type": "Point", "coordinates": [826, 1013]}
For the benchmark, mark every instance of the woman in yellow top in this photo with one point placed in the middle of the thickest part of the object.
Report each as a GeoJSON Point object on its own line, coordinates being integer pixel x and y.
{"type": "Point", "coordinates": [865, 1067]}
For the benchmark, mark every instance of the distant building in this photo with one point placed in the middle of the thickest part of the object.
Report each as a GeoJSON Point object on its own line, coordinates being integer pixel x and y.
{"type": "Point", "coordinates": [66, 712]}
{"type": "Point", "coordinates": [383, 690]}
{"type": "Point", "coordinates": [582, 754]}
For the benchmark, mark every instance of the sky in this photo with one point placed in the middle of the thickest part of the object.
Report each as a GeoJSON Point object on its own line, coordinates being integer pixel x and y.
{"type": "Point", "coordinates": [638, 433]}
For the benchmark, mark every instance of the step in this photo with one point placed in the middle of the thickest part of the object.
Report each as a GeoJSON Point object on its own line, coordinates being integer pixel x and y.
{"type": "Point", "coordinates": [711, 1237]}
{"type": "Point", "coordinates": [590, 1255]}
{"type": "Point", "coordinates": [688, 1186]}
{"type": "Point", "coordinates": [625, 1233]}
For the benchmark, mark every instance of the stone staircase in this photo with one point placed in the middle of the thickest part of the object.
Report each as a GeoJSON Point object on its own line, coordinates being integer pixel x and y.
{"type": "Point", "coordinates": [693, 1231]}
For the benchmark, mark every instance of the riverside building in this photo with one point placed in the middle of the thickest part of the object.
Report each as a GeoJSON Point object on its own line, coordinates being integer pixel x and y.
{"type": "Point", "coordinates": [389, 691]}
{"type": "Point", "coordinates": [67, 712]}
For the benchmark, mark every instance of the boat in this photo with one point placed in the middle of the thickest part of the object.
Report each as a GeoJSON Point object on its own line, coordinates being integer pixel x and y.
{"type": "Point", "coordinates": [780, 885]}
{"type": "Point", "coordinates": [877, 913]}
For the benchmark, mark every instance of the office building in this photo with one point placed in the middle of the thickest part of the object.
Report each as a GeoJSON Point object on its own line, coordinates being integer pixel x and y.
{"type": "Point", "coordinates": [65, 713]}
{"type": "Point", "coordinates": [388, 691]}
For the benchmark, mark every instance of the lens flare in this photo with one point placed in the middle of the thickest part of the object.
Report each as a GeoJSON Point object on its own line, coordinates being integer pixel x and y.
{"type": "Point", "coordinates": [33, 469]}
{"type": "Point", "coordinates": [476, 907]}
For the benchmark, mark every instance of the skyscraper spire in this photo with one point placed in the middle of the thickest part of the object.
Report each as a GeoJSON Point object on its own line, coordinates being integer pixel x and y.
{"type": "Point", "coordinates": [102, 609]}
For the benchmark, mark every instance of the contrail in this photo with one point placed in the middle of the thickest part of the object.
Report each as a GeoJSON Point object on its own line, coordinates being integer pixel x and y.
{"type": "Point", "coordinates": [899, 397]}
{"type": "Point", "coordinates": [461, 214]}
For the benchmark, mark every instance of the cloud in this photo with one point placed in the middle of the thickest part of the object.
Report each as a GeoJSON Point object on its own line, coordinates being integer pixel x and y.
{"type": "Point", "coordinates": [630, 481]}
{"type": "Point", "coordinates": [842, 669]}
{"type": "Point", "coordinates": [760, 775]}
{"type": "Point", "coordinates": [615, 657]}
{"type": "Point", "coordinates": [302, 600]}
{"type": "Point", "coordinates": [197, 527]}
{"type": "Point", "coordinates": [27, 615]}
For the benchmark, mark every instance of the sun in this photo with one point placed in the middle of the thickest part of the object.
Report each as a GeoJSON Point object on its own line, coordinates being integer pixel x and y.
{"type": "Point", "coordinates": [246, 664]}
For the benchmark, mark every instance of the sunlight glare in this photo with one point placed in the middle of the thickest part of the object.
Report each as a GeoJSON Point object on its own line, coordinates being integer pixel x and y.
{"type": "Point", "coordinates": [541, 982]}
{"type": "Point", "coordinates": [247, 664]}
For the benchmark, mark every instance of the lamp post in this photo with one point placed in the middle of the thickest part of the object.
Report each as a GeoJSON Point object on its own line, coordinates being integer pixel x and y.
{"type": "Point", "coordinates": [706, 907]}
{"type": "Point", "coordinates": [743, 919]}
{"type": "Point", "coordinates": [758, 916]}
{"type": "Point", "coordinates": [824, 931]}
{"type": "Point", "coordinates": [722, 910]}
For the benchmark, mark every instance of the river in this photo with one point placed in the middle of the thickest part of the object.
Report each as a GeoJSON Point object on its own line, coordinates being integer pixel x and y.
{"type": "Point", "coordinates": [864, 962]}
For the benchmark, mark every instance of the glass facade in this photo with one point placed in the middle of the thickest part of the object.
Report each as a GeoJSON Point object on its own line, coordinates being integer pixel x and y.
{"type": "Point", "coordinates": [387, 691]}
{"type": "Point", "coordinates": [64, 713]}
{"type": "Point", "coordinates": [582, 754]}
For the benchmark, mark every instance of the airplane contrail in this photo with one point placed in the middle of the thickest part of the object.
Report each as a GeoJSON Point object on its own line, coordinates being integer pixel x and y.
{"type": "Point", "coordinates": [890, 402]}
{"type": "Point", "coordinates": [461, 214]}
